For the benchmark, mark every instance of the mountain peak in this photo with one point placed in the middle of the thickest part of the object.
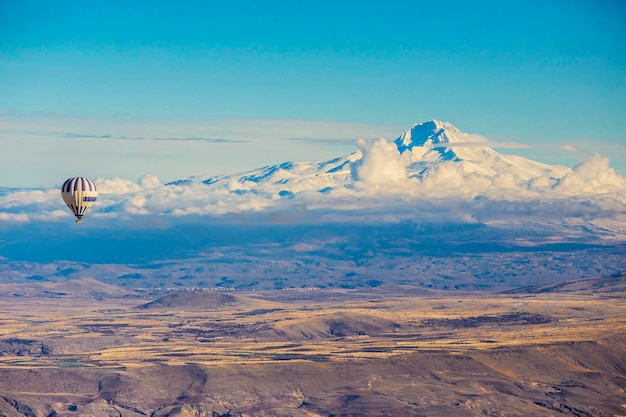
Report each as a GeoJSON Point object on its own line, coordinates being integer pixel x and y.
{"type": "Point", "coordinates": [429, 133]}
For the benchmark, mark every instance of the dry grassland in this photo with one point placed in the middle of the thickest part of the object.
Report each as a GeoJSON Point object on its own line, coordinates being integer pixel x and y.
{"type": "Point", "coordinates": [410, 355]}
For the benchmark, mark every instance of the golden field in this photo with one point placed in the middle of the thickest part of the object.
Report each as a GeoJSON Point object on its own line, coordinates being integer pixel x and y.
{"type": "Point", "coordinates": [315, 353]}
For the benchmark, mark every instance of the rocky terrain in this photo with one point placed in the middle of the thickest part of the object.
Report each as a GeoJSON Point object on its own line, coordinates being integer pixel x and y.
{"type": "Point", "coordinates": [401, 351]}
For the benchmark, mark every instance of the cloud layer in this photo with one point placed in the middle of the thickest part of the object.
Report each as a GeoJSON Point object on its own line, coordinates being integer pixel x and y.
{"type": "Point", "coordinates": [378, 182]}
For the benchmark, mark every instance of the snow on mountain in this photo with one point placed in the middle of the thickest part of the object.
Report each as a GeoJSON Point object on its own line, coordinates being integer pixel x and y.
{"type": "Point", "coordinates": [430, 134]}
{"type": "Point", "coordinates": [439, 151]}
{"type": "Point", "coordinates": [432, 167]}
{"type": "Point", "coordinates": [424, 158]}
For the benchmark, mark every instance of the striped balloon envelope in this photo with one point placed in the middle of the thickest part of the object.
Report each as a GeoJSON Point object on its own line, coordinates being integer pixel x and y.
{"type": "Point", "coordinates": [79, 194]}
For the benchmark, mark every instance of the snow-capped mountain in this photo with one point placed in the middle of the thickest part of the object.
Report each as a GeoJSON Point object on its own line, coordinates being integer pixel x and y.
{"type": "Point", "coordinates": [423, 148]}
{"type": "Point", "coordinates": [434, 143]}
{"type": "Point", "coordinates": [432, 159]}
{"type": "Point", "coordinates": [431, 168]}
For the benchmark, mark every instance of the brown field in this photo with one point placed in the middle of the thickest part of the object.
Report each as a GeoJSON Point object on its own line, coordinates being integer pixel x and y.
{"type": "Point", "coordinates": [315, 353]}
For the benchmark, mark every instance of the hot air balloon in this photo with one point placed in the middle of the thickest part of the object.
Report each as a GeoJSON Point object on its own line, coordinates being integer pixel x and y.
{"type": "Point", "coordinates": [79, 194]}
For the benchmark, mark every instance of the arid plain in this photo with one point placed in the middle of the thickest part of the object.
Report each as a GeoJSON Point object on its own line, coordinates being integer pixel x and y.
{"type": "Point", "coordinates": [555, 350]}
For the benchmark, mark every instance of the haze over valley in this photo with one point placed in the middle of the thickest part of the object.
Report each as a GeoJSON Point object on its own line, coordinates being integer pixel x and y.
{"type": "Point", "coordinates": [436, 208]}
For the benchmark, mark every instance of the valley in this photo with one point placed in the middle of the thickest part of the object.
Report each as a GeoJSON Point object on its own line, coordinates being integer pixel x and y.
{"type": "Point", "coordinates": [392, 350]}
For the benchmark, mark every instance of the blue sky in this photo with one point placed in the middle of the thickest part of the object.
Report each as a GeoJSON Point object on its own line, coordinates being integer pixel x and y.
{"type": "Point", "coordinates": [242, 78]}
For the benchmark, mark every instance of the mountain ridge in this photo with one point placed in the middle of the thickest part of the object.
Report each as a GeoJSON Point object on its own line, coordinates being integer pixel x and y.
{"type": "Point", "coordinates": [431, 164]}
{"type": "Point", "coordinates": [438, 142]}
{"type": "Point", "coordinates": [434, 155]}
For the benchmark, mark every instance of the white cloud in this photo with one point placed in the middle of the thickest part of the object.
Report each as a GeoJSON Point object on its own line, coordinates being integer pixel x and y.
{"type": "Point", "coordinates": [376, 182]}
{"type": "Point", "coordinates": [149, 181]}
{"type": "Point", "coordinates": [593, 176]}
{"type": "Point", "coordinates": [14, 217]}
{"type": "Point", "coordinates": [116, 186]}
{"type": "Point", "coordinates": [481, 144]}
{"type": "Point", "coordinates": [382, 167]}
{"type": "Point", "coordinates": [22, 198]}
{"type": "Point", "coordinates": [569, 147]}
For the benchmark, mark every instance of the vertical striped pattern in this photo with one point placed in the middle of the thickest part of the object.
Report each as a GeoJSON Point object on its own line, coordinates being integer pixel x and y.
{"type": "Point", "coordinates": [79, 194]}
